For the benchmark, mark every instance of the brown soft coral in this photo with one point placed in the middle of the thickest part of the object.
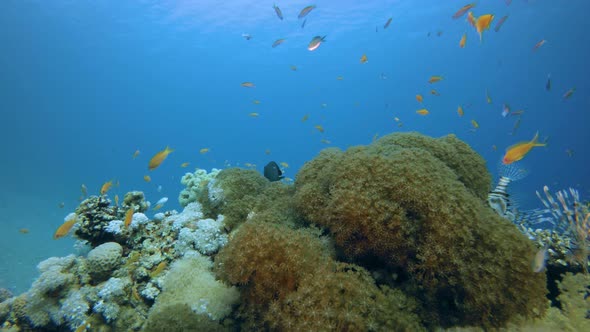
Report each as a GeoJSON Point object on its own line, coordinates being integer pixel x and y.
{"type": "Point", "coordinates": [416, 205]}
{"type": "Point", "coordinates": [290, 283]}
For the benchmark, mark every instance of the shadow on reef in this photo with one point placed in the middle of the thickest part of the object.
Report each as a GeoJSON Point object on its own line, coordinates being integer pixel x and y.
{"type": "Point", "coordinates": [393, 236]}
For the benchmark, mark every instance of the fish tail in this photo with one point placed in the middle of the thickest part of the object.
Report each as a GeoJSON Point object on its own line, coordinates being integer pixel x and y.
{"type": "Point", "coordinates": [535, 140]}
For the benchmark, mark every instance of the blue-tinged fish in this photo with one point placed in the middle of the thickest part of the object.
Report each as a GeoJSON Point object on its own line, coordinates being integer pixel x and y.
{"type": "Point", "coordinates": [305, 11]}
{"type": "Point", "coordinates": [548, 84]}
{"type": "Point", "coordinates": [278, 42]}
{"type": "Point", "coordinates": [303, 24]}
{"type": "Point", "coordinates": [500, 23]}
{"type": "Point", "coordinates": [387, 23]}
{"type": "Point", "coordinates": [316, 42]}
{"type": "Point", "coordinates": [278, 11]}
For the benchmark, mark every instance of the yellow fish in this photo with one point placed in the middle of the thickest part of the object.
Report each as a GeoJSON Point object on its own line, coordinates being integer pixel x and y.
{"type": "Point", "coordinates": [488, 98]}
{"type": "Point", "coordinates": [517, 151]}
{"type": "Point", "coordinates": [460, 110]}
{"type": "Point", "coordinates": [339, 78]}
{"type": "Point", "coordinates": [364, 58]}
{"type": "Point", "coordinates": [204, 150]}
{"type": "Point", "coordinates": [248, 85]}
{"type": "Point", "coordinates": [419, 98]}
{"type": "Point", "coordinates": [256, 102]}
{"type": "Point", "coordinates": [422, 111]}
{"type": "Point", "coordinates": [463, 40]}
{"type": "Point", "coordinates": [305, 117]}
{"type": "Point", "coordinates": [474, 124]}
{"type": "Point", "coordinates": [158, 158]}
{"type": "Point", "coordinates": [147, 178]}
{"type": "Point", "coordinates": [483, 23]}
{"type": "Point", "coordinates": [253, 114]}
{"type": "Point", "coordinates": [65, 228]}
{"type": "Point", "coordinates": [105, 187]}
{"type": "Point", "coordinates": [284, 164]}
{"type": "Point", "coordinates": [434, 92]}
{"type": "Point", "coordinates": [434, 79]}
{"type": "Point", "coordinates": [128, 217]}
{"type": "Point", "coordinates": [183, 165]}
{"type": "Point", "coordinates": [319, 128]}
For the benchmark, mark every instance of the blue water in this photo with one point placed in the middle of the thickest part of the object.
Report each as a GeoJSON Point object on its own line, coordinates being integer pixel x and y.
{"type": "Point", "coordinates": [83, 84]}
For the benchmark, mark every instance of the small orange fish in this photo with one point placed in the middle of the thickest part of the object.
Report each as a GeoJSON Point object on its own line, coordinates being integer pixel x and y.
{"type": "Point", "coordinates": [460, 110]}
{"type": "Point", "coordinates": [147, 178]}
{"type": "Point", "coordinates": [305, 117]}
{"type": "Point", "coordinates": [248, 85]}
{"type": "Point", "coordinates": [463, 40]}
{"type": "Point", "coordinates": [24, 231]}
{"type": "Point", "coordinates": [471, 19]}
{"type": "Point", "coordinates": [135, 154]}
{"type": "Point", "coordinates": [364, 58]}
{"type": "Point", "coordinates": [204, 150]}
{"type": "Point", "coordinates": [65, 228]}
{"type": "Point", "coordinates": [434, 92]}
{"type": "Point", "coordinates": [253, 115]}
{"type": "Point", "coordinates": [183, 165]}
{"type": "Point", "coordinates": [128, 217]}
{"type": "Point", "coordinates": [434, 79]}
{"type": "Point", "coordinates": [517, 151]}
{"type": "Point", "coordinates": [539, 44]}
{"type": "Point", "coordinates": [488, 98]}
{"type": "Point", "coordinates": [419, 98]}
{"type": "Point", "coordinates": [569, 93]}
{"type": "Point", "coordinates": [319, 128]}
{"type": "Point", "coordinates": [158, 158]}
{"type": "Point", "coordinates": [256, 102]}
{"type": "Point", "coordinates": [422, 111]}
{"type": "Point", "coordinates": [106, 187]}
{"type": "Point", "coordinates": [462, 11]}
{"type": "Point", "coordinates": [483, 23]}
{"type": "Point", "coordinates": [474, 124]}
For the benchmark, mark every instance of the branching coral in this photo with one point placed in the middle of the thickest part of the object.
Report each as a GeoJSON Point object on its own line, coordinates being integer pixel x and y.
{"type": "Point", "coordinates": [416, 205]}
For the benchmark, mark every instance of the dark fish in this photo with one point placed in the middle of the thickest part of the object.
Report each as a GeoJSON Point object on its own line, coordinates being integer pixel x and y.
{"type": "Point", "coordinates": [303, 24]}
{"type": "Point", "coordinates": [272, 172]}
{"type": "Point", "coordinates": [387, 23]}
{"type": "Point", "coordinates": [278, 11]}
{"type": "Point", "coordinates": [500, 23]}
{"type": "Point", "coordinates": [278, 42]}
{"type": "Point", "coordinates": [548, 84]}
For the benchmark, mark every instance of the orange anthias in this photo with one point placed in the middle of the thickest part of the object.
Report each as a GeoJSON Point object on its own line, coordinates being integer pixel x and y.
{"type": "Point", "coordinates": [519, 150]}
{"type": "Point", "coordinates": [158, 158]}
{"type": "Point", "coordinates": [483, 23]}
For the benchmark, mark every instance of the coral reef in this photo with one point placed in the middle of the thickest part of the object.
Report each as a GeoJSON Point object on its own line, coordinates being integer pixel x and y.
{"type": "Point", "coordinates": [417, 205]}
{"type": "Point", "coordinates": [289, 282]}
{"type": "Point", "coordinates": [394, 236]}
{"type": "Point", "coordinates": [102, 260]}
{"type": "Point", "coordinates": [191, 298]}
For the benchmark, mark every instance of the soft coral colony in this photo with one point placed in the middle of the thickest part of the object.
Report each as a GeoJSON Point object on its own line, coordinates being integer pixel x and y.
{"type": "Point", "coordinates": [393, 236]}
